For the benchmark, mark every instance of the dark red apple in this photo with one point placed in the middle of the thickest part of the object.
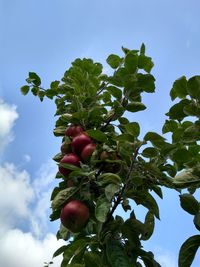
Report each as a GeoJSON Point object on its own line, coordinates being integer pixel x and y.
{"type": "Point", "coordinates": [73, 130]}
{"type": "Point", "coordinates": [71, 158]}
{"type": "Point", "coordinates": [74, 215]}
{"type": "Point", "coordinates": [79, 142]}
{"type": "Point", "coordinates": [87, 151]}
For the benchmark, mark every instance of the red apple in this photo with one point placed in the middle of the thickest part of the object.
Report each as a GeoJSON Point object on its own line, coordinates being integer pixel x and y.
{"type": "Point", "coordinates": [79, 142]}
{"type": "Point", "coordinates": [87, 151]}
{"type": "Point", "coordinates": [74, 215]}
{"type": "Point", "coordinates": [73, 130]}
{"type": "Point", "coordinates": [71, 158]}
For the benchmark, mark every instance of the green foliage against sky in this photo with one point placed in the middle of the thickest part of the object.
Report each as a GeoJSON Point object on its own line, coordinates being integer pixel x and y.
{"type": "Point", "coordinates": [141, 165]}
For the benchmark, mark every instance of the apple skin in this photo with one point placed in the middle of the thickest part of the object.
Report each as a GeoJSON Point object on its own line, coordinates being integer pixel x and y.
{"type": "Point", "coordinates": [74, 215]}
{"type": "Point", "coordinates": [87, 151]}
{"type": "Point", "coordinates": [73, 130]}
{"type": "Point", "coordinates": [79, 142]}
{"type": "Point", "coordinates": [70, 158]}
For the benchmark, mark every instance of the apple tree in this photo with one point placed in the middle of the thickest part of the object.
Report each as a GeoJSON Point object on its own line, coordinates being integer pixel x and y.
{"type": "Point", "coordinates": [106, 166]}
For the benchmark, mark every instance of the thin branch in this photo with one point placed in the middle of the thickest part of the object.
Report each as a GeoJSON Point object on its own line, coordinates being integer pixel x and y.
{"type": "Point", "coordinates": [120, 195]}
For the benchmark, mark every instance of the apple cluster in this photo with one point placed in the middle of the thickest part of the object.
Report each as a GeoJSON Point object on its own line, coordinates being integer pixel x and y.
{"type": "Point", "coordinates": [75, 213]}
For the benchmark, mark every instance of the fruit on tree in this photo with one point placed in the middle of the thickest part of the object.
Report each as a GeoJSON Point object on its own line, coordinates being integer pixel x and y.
{"type": "Point", "coordinates": [70, 158]}
{"type": "Point", "coordinates": [74, 215]}
{"type": "Point", "coordinates": [79, 142]}
{"type": "Point", "coordinates": [73, 130]}
{"type": "Point", "coordinates": [87, 151]}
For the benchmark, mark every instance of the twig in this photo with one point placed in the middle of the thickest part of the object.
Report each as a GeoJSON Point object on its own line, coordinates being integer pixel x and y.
{"type": "Point", "coordinates": [120, 195]}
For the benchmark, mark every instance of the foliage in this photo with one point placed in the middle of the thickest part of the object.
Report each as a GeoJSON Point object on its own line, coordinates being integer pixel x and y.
{"type": "Point", "coordinates": [135, 166]}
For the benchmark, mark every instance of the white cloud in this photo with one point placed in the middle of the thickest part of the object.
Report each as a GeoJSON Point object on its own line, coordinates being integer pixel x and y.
{"type": "Point", "coordinates": [26, 205]}
{"type": "Point", "coordinates": [8, 115]}
{"type": "Point", "coordinates": [15, 196]}
{"type": "Point", "coordinates": [43, 185]}
{"type": "Point", "coordinates": [19, 249]}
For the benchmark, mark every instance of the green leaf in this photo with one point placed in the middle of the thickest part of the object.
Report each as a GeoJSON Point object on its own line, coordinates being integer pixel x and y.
{"type": "Point", "coordinates": [63, 233]}
{"type": "Point", "coordinates": [135, 106]}
{"type": "Point", "coordinates": [92, 259]}
{"type": "Point", "coordinates": [155, 139]}
{"type": "Point", "coordinates": [179, 88]}
{"type": "Point", "coordinates": [58, 157]}
{"type": "Point", "coordinates": [62, 197]}
{"type": "Point", "coordinates": [131, 62]}
{"type": "Point", "coordinates": [123, 120]}
{"type": "Point", "coordinates": [102, 209]}
{"type": "Point", "coordinates": [116, 254]}
{"type": "Point", "coordinates": [114, 61]}
{"type": "Point", "coordinates": [34, 78]}
{"type": "Point", "coordinates": [185, 179]}
{"type": "Point", "coordinates": [111, 190]}
{"type": "Point", "coordinates": [145, 63]}
{"type": "Point", "coordinates": [133, 128]}
{"type": "Point", "coordinates": [116, 92]}
{"type": "Point", "coordinates": [176, 112]}
{"type": "Point", "coordinates": [150, 152]}
{"type": "Point", "coordinates": [194, 87]}
{"type": "Point", "coordinates": [188, 250]}
{"type": "Point", "coordinates": [54, 85]}
{"type": "Point", "coordinates": [35, 90]}
{"type": "Point", "coordinates": [124, 137]}
{"type": "Point", "coordinates": [146, 82]}
{"type": "Point", "coordinates": [147, 201]}
{"type": "Point", "coordinates": [193, 109]}
{"type": "Point", "coordinates": [109, 177]}
{"type": "Point", "coordinates": [50, 93]}
{"type": "Point", "coordinates": [59, 251]}
{"type": "Point", "coordinates": [59, 131]}
{"type": "Point", "coordinates": [75, 265]}
{"type": "Point", "coordinates": [197, 220]}
{"type": "Point", "coordinates": [189, 203]}
{"type": "Point", "coordinates": [97, 135]}
{"type": "Point", "coordinates": [74, 248]}
{"type": "Point", "coordinates": [191, 134]}
{"type": "Point", "coordinates": [142, 49]}
{"type": "Point", "coordinates": [169, 126]}
{"type": "Point", "coordinates": [25, 89]}
{"type": "Point", "coordinates": [148, 259]}
{"type": "Point", "coordinates": [181, 155]}
{"type": "Point", "coordinates": [148, 226]}
{"type": "Point", "coordinates": [132, 230]}
{"type": "Point", "coordinates": [70, 167]}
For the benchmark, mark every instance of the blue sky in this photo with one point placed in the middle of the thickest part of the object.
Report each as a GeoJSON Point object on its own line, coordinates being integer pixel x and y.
{"type": "Point", "coordinates": [45, 37]}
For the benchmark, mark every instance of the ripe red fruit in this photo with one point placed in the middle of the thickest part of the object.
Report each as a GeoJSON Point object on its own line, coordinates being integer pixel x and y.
{"type": "Point", "coordinates": [73, 130]}
{"type": "Point", "coordinates": [79, 142]}
{"type": "Point", "coordinates": [87, 151]}
{"type": "Point", "coordinates": [71, 158]}
{"type": "Point", "coordinates": [74, 215]}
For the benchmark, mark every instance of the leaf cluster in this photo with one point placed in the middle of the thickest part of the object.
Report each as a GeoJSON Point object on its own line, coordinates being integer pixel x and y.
{"type": "Point", "coordinates": [125, 166]}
